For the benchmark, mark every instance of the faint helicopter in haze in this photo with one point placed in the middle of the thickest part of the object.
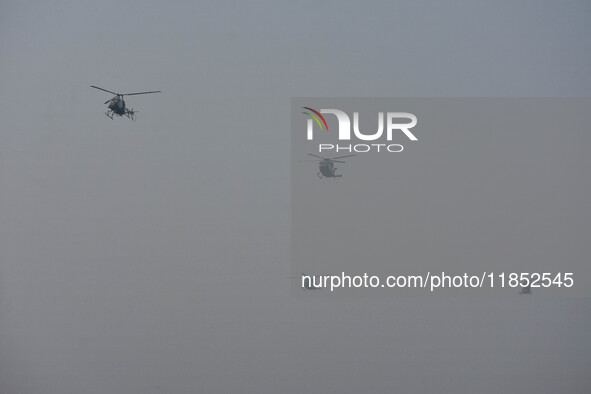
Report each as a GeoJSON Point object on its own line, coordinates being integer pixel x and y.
{"type": "Point", "coordinates": [308, 282]}
{"type": "Point", "coordinates": [117, 104]}
{"type": "Point", "coordinates": [525, 289]}
{"type": "Point", "coordinates": [326, 168]}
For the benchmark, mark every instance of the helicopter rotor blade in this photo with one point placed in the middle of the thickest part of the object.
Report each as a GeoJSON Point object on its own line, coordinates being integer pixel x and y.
{"type": "Point", "coordinates": [133, 94]}
{"type": "Point", "coordinates": [340, 157]}
{"type": "Point", "coordinates": [323, 158]}
{"type": "Point", "coordinates": [338, 161]}
{"type": "Point", "coordinates": [107, 101]}
{"type": "Point", "coordinates": [108, 91]}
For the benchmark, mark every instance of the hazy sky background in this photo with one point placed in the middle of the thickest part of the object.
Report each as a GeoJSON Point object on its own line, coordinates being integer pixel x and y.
{"type": "Point", "coordinates": [491, 184]}
{"type": "Point", "coordinates": [153, 256]}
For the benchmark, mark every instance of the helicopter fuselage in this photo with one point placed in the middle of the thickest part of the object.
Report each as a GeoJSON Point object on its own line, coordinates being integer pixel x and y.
{"type": "Point", "coordinates": [327, 169]}
{"type": "Point", "coordinates": [117, 106]}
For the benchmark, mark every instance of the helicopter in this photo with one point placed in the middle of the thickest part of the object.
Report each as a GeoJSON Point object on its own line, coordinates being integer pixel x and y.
{"type": "Point", "coordinates": [326, 167]}
{"type": "Point", "coordinates": [525, 289]}
{"type": "Point", "coordinates": [117, 104]}
{"type": "Point", "coordinates": [308, 283]}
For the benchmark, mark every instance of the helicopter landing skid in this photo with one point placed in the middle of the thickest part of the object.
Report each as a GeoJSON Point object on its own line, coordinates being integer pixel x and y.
{"type": "Point", "coordinates": [334, 176]}
{"type": "Point", "coordinates": [130, 114]}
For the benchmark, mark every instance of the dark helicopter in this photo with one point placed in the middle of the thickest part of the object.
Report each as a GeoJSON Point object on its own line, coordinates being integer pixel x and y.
{"type": "Point", "coordinates": [326, 167]}
{"type": "Point", "coordinates": [117, 104]}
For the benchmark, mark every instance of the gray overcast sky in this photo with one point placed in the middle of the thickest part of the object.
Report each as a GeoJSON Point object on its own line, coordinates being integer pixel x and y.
{"type": "Point", "coordinates": [153, 256]}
